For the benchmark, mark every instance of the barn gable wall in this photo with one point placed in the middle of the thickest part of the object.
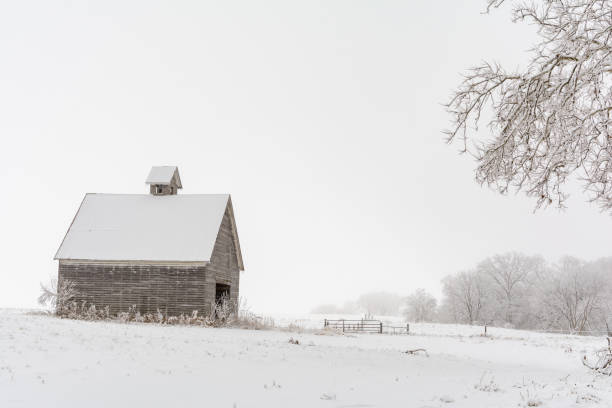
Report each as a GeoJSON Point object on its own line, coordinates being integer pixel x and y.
{"type": "Point", "coordinates": [173, 289]}
{"type": "Point", "coordinates": [223, 267]}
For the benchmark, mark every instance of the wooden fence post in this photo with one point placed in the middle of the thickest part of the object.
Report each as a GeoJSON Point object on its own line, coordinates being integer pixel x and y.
{"type": "Point", "coordinates": [485, 330]}
{"type": "Point", "coordinates": [342, 326]}
{"type": "Point", "coordinates": [325, 323]}
{"type": "Point", "coordinates": [407, 328]}
{"type": "Point", "coordinates": [380, 327]}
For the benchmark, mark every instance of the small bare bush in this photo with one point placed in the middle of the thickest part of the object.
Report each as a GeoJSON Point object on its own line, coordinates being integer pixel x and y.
{"type": "Point", "coordinates": [602, 363]}
{"type": "Point", "coordinates": [530, 400]}
{"type": "Point", "coordinates": [529, 394]}
{"type": "Point", "coordinates": [223, 312]}
{"type": "Point", "coordinates": [57, 296]}
{"type": "Point", "coordinates": [487, 385]}
{"type": "Point", "coordinates": [244, 318]}
{"type": "Point", "coordinates": [83, 311]}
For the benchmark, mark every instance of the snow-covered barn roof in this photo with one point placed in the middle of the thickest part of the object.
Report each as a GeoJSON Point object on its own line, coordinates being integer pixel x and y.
{"type": "Point", "coordinates": [163, 175]}
{"type": "Point", "coordinates": [144, 227]}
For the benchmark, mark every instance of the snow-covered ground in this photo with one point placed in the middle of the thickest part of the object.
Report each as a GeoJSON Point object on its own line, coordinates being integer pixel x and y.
{"type": "Point", "coordinates": [50, 362]}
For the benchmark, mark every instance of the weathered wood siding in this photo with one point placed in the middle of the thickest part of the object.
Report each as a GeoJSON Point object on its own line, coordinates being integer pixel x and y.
{"type": "Point", "coordinates": [223, 266]}
{"type": "Point", "coordinates": [165, 189]}
{"type": "Point", "coordinates": [173, 289]}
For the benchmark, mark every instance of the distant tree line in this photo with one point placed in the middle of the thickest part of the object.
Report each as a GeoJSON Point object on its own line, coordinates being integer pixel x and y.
{"type": "Point", "coordinates": [520, 291]}
{"type": "Point", "coordinates": [372, 303]}
{"type": "Point", "coordinates": [509, 290]}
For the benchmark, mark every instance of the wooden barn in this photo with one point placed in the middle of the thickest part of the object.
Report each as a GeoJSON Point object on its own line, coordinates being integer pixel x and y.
{"type": "Point", "coordinates": [159, 251]}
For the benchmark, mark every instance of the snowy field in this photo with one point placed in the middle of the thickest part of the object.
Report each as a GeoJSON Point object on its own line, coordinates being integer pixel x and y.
{"type": "Point", "coordinates": [50, 362]}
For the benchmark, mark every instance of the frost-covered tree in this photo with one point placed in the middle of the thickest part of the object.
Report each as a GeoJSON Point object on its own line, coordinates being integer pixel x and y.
{"type": "Point", "coordinates": [511, 277]}
{"type": "Point", "coordinates": [420, 307]}
{"type": "Point", "coordinates": [573, 295]}
{"type": "Point", "coordinates": [603, 268]}
{"type": "Point", "coordinates": [380, 303]}
{"type": "Point", "coordinates": [552, 119]}
{"type": "Point", "coordinates": [466, 294]}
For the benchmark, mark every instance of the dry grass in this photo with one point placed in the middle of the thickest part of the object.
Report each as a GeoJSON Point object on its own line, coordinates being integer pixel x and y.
{"type": "Point", "coordinates": [223, 314]}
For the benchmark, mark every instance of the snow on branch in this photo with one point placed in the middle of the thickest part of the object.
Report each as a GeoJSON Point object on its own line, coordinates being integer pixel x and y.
{"type": "Point", "coordinates": [552, 119]}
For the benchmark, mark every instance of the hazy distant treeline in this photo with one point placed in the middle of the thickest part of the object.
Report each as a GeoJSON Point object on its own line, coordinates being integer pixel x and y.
{"type": "Point", "coordinates": [373, 303]}
{"type": "Point", "coordinates": [525, 292]}
{"type": "Point", "coordinates": [511, 290]}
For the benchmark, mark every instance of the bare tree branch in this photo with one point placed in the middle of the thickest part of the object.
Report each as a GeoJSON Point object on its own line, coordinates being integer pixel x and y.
{"type": "Point", "coordinates": [553, 119]}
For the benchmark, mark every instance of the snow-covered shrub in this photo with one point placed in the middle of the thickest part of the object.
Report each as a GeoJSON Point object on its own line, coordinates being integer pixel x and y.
{"type": "Point", "coordinates": [223, 313]}
{"type": "Point", "coordinates": [602, 363]}
{"type": "Point", "coordinates": [530, 400]}
{"type": "Point", "coordinates": [84, 311]}
{"type": "Point", "coordinates": [123, 317]}
{"type": "Point", "coordinates": [244, 318]}
{"type": "Point", "coordinates": [487, 385]}
{"type": "Point", "coordinates": [57, 296]}
{"type": "Point", "coordinates": [529, 395]}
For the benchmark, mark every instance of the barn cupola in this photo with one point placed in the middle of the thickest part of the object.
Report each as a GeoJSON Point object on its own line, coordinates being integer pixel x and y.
{"type": "Point", "coordinates": [164, 180]}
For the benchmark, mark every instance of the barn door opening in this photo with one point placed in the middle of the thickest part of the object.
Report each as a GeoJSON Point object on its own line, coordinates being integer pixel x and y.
{"type": "Point", "coordinates": [222, 293]}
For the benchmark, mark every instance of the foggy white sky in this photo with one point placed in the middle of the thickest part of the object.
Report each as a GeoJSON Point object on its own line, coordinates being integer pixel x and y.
{"type": "Point", "coordinates": [322, 119]}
